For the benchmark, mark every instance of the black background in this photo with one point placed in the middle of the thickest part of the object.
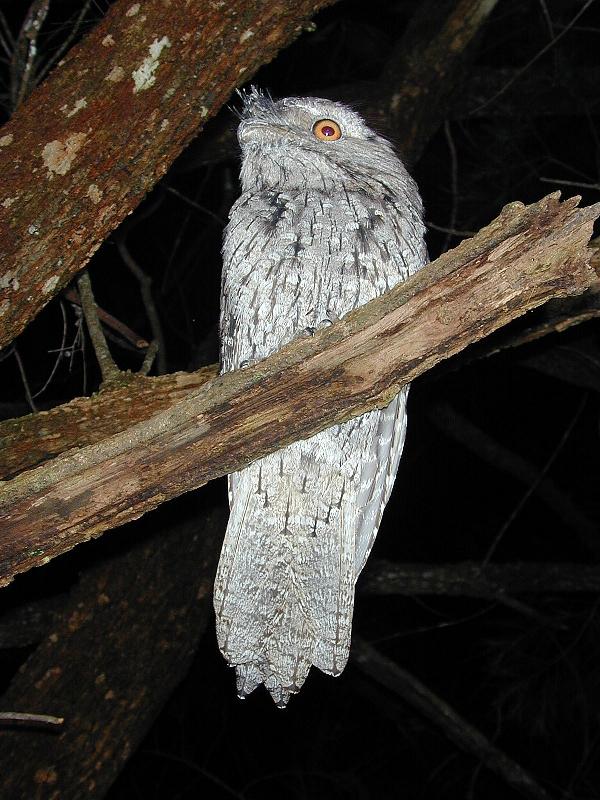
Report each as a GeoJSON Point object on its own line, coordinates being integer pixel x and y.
{"type": "Point", "coordinates": [527, 678]}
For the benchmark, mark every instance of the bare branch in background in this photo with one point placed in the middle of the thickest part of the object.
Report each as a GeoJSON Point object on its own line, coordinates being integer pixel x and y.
{"type": "Point", "coordinates": [110, 371]}
{"type": "Point", "coordinates": [19, 719]}
{"type": "Point", "coordinates": [24, 380]}
{"type": "Point", "coordinates": [145, 282]}
{"type": "Point", "coordinates": [74, 31]}
{"type": "Point", "coordinates": [472, 579]}
{"type": "Point", "coordinates": [485, 447]}
{"type": "Point", "coordinates": [25, 53]}
{"type": "Point", "coordinates": [441, 714]}
{"type": "Point", "coordinates": [111, 322]}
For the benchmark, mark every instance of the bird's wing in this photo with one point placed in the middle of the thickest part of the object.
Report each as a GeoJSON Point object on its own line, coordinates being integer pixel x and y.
{"type": "Point", "coordinates": [285, 583]}
{"type": "Point", "coordinates": [378, 473]}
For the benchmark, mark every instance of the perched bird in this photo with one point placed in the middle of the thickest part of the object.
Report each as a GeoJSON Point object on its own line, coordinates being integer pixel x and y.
{"type": "Point", "coordinates": [328, 219]}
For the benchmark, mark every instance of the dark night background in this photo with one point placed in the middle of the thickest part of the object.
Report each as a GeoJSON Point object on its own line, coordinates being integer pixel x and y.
{"type": "Point", "coordinates": [527, 676]}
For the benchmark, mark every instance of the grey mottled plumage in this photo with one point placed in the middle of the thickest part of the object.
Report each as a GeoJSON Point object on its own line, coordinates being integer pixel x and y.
{"type": "Point", "coordinates": [323, 225]}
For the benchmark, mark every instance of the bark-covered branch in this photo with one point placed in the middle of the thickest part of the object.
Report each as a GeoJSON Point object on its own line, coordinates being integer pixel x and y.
{"type": "Point", "coordinates": [116, 112]}
{"type": "Point", "coordinates": [421, 74]}
{"type": "Point", "coordinates": [471, 579]}
{"type": "Point", "coordinates": [142, 627]}
{"type": "Point", "coordinates": [33, 439]}
{"type": "Point", "coordinates": [28, 441]}
{"type": "Point", "coordinates": [527, 255]}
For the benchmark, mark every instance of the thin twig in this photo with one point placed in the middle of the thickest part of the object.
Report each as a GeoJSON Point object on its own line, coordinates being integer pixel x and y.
{"type": "Point", "coordinates": [149, 358]}
{"type": "Point", "coordinates": [19, 719]}
{"type": "Point", "coordinates": [532, 61]}
{"type": "Point", "coordinates": [145, 282]}
{"type": "Point", "coordinates": [434, 708]}
{"type": "Point", "coordinates": [206, 211]}
{"type": "Point", "coordinates": [535, 484]}
{"type": "Point", "coordinates": [453, 183]}
{"type": "Point", "coordinates": [65, 45]}
{"type": "Point", "coordinates": [112, 322]}
{"type": "Point", "coordinates": [59, 352]}
{"type": "Point", "coordinates": [452, 231]}
{"type": "Point", "coordinates": [28, 395]}
{"type": "Point", "coordinates": [7, 41]}
{"type": "Point", "coordinates": [577, 184]}
{"type": "Point", "coordinates": [22, 78]}
{"type": "Point", "coordinates": [108, 368]}
{"type": "Point", "coordinates": [455, 425]}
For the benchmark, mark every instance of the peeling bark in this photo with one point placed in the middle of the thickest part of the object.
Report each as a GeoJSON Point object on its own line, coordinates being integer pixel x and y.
{"type": "Point", "coordinates": [28, 441]}
{"type": "Point", "coordinates": [117, 111]}
{"type": "Point", "coordinates": [526, 256]}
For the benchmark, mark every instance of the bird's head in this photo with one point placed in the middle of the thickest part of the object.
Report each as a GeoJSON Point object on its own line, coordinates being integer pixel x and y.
{"type": "Point", "coordinates": [302, 143]}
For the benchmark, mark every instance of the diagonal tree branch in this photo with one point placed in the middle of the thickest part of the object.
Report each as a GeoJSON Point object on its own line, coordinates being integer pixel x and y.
{"type": "Point", "coordinates": [28, 441]}
{"type": "Point", "coordinates": [432, 707]}
{"type": "Point", "coordinates": [471, 579]}
{"type": "Point", "coordinates": [421, 74]}
{"type": "Point", "coordinates": [117, 111]}
{"type": "Point", "coordinates": [117, 650]}
{"type": "Point", "coordinates": [527, 255]}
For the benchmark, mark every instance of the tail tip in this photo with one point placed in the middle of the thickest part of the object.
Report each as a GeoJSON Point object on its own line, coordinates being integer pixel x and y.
{"type": "Point", "coordinates": [249, 676]}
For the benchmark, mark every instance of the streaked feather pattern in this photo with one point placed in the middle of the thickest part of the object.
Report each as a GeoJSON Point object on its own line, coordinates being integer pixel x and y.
{"type": "Point", "coordinates": [320, 228]}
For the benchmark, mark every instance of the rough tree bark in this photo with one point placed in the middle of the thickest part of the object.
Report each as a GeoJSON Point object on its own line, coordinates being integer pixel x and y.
{"type": "Point", "coordinates": [527, 255]}
{"type": "Point", "coordinates": [129, 676]}
{"type": "Point", "coordinates": [30, 440]}
{"type": "Point", "coordinates": [135, 718]}
{"type": "Point", "coordinates": [117, 110]}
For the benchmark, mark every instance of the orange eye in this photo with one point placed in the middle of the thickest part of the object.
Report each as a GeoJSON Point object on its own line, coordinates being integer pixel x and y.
{"type": "Point", "coordinates": [327, 130]}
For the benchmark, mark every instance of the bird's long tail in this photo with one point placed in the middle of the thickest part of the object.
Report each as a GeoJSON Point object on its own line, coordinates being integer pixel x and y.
{"type": "Point", "coordinates": [284, 590]}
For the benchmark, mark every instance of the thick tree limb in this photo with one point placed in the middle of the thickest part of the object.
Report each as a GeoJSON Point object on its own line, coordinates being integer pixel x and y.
{"type": "Point", "coordinates": [470, 579]}
{"type": "Point", "coordinates": [117, 111]}
{"type": "Point", "coordinates": [30, 440]}
{"type": "Point", "coordinates": [142, 628]}
{"type": "Point", "coordinates": [527, 255]}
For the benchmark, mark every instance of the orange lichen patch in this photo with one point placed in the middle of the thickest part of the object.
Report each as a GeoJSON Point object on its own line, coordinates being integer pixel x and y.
{"type": "Point", "coordinates": [59, 156]}
{"type": "Point", "coordinates": [46, 775]}
{"type": "Point", "coordinates": [51, 674]}
{"type": "Point", "coordinates": [94, 193]}
{"type": "Point", "coordinates": [115, 75]}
